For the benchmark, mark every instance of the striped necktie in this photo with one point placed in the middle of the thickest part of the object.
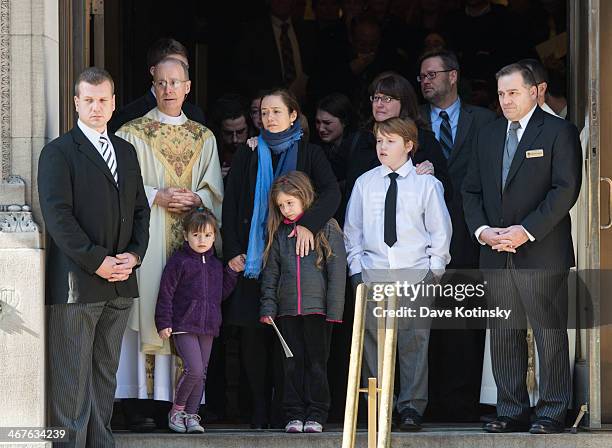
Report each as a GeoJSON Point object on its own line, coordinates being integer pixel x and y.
{"type": "Point", "coordinates": [109, 156]}
{"type": "Point", "coordinates": [446, 135]}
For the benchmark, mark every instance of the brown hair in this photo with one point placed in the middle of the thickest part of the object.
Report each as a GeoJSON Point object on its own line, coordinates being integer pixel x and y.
{"type": "Point", "coordinates": [298, 185]}
{"type": "Point", "coordinates": [198, 218]}
{"type": "Point", "coordinates": [404, 127]}
{"type": "Point", "coordinates": [94, 76]}
{"type": "Point", "coordinates": [526, 73]}
{"type": "Point", "coordinates": [163, 48]}
{"type": "Point", "coordinates": [287, 98]}
{"type": "Point", "coordinates": [398, 87]}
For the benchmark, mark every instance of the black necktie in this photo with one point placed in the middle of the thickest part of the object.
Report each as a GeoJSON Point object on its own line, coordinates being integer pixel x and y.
{"type": "Point", "coordinates": [446, 134]}
{"type": "Point", "coordinates": [287, 54]}
{"type": "Point", "coordinates": [390, 203]}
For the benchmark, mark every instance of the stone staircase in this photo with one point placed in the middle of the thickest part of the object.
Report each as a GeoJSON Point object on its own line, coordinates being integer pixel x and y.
{"type": "Point", "coordinates": [432, 436]}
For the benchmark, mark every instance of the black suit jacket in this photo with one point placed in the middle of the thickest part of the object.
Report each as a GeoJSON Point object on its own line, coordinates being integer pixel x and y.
{"type": "Point", "coordinates": [463, 249]}
{"type": "Point", "coordinates": [538, 195]}
{"type": "Point", "coordinates": [142, 106]}
{"type": "Point", "coordinates": [257, 63]}
{"type": "Point", "coordinates": [87, 217]}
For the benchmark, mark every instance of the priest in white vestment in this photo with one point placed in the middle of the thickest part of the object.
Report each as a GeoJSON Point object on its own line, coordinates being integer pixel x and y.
{"type": "Point", "coordinates": [180, 169]}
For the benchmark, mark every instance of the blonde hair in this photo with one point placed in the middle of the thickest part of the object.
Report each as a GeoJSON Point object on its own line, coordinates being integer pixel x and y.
{"type": "Point", "coordinates": [298, 185]}
{"type": "Point", "coordinates": [404, 127]}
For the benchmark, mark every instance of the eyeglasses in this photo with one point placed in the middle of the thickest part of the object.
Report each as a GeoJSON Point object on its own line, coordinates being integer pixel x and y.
{"type": "Point", "coordinates": [432, 75]}
{"type": "Point", "coordinates": [174, 83]}
{"type": "Point", "coordinates": [383, 98]}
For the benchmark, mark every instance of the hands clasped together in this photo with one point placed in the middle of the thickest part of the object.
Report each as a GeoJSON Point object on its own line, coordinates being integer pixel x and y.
{"type": "Point", "coordinates": [117, 268]}
{"type": "Point", "coordinates": [177, 200]}
{"type": "Point", "coordinates": [506, 239]}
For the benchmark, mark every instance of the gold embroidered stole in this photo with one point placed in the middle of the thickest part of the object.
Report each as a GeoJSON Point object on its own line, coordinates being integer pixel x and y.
{"type": "Point", "coordinates": [177, 148]}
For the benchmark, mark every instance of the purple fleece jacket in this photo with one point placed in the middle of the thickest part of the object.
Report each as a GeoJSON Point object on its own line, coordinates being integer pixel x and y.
{"type": "Point", "coordinates": [191, 290]}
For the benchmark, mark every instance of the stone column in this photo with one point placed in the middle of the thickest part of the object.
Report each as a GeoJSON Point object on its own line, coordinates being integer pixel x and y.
{"type": "Point", "coordinates": [29, 118]}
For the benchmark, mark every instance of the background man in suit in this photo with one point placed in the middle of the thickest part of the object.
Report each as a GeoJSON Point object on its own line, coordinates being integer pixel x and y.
{"type": "Point", "coordinates": [540, 74]}
{"type": "Point", "coordinates": [161, 49]}
{"type": "Point", "coordinates": [524, 178]}
{"type": "Point", "coordinates": [97, 220]}
{"type": "Point", "coordinates": [277, 50]}
{"type": "Point", "coordinates": [455, 355]}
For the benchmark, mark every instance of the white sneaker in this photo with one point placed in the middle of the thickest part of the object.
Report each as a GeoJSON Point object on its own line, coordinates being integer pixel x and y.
{"type": "Point", "coordinates": [312, 426]}
{"type": "Point", "coordinates": [176, 421]}
{"type": "Point", "coordinates": [294, 426]}
{"type": "Point", "coordinates": [192, 423]}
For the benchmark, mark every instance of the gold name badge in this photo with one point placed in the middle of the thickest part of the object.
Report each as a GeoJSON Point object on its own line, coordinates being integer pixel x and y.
{"type": "Point", "coordinates": [535, 153]}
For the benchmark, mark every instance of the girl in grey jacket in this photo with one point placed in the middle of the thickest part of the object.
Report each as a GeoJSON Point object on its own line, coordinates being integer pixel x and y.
{"type": "Point", "coordinates": [306, 294]}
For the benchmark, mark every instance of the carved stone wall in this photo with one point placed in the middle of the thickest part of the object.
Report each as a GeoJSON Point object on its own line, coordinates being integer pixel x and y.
{"type": "Point", "coordinates": [5, 94]}
{"type": "Point", "coordinates": [29, 105]}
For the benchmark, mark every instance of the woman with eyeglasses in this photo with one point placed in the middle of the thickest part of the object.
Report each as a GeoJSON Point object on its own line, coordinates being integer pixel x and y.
{"type": "Point", "coordinates": [392, 95]}
{"type": "Point", "coordinates": [280, 148]}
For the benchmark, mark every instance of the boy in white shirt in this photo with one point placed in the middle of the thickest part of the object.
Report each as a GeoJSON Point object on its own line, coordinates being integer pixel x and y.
{"type": "Point", "coordinates": [395, 220]}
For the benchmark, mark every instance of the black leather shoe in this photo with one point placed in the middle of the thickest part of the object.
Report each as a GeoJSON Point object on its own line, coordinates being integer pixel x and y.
{"type": "Point", "coordinates": [143, 425]}
{"type": "Point", "coordinates": [506, 424]}
{"type": "Point", "coordinates": [545, 425]}
{"type": "Point", "coordinates": [410, 420]}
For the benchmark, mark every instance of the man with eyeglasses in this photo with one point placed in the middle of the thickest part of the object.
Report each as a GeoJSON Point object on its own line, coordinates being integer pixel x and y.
{"type": "Point", "coordinates": [455, 355]}
{"type": "Point", "coordinates": [162, 48]}
{"type": "Point", "coordinates": [180, 170]}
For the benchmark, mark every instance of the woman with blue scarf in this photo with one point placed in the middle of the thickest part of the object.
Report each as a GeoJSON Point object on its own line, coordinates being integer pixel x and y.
{"type": "Point", "coordinates": [280, 148]}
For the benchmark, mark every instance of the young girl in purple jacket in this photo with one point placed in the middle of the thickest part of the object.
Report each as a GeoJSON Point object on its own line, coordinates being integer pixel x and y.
{"type": "Point", "coordinates": [193, 284]}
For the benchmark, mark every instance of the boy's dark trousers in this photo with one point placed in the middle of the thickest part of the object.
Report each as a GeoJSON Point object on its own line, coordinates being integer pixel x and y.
{"type": "Point", "coordinates": [306, 390]}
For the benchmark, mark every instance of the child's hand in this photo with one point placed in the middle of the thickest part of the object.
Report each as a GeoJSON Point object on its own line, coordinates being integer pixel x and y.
{"type": "Point", "coordinates": [165, 333]}
{"type": "Point", "coordinates": [266, 320]}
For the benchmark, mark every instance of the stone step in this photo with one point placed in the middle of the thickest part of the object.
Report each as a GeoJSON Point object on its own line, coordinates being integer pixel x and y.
{"type": "Point", "coordinates": [430, 437]}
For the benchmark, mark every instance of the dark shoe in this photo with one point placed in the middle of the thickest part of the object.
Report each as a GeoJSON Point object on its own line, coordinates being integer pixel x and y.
{"type": "Point", "coordinates": [545, 425]}
{"type": "Point", "coordinates": [506, 424]}
{"type": "Point", "coordinates": [488, 418]}
{"type": "Point", "coordinates": [143, 425]}
{"type": "Point", "coordinates": [410, 420]}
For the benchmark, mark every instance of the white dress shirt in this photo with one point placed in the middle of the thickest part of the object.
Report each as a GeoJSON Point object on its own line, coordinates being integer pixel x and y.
{"type": "Point", "coordinates": [546, 108]}
{"type": "Point", "coordinates": [423, 224]}
{"type": "Point", "coordinates": [519, 134]}
{"type": "Point", "coordinates": [297, 60]}
{"type": "Point", "coordinates": [94, 137]}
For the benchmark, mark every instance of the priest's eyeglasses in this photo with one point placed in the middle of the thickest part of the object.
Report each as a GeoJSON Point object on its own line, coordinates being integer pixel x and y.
{"type": "Point", "coordinates": [432, 75]}
{"type": "Point", "coordinates": [174, 83]}
{"type": "Point", "coordinates": [383, 98]}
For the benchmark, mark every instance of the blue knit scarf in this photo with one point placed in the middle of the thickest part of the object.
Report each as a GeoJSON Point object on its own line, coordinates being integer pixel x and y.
{"type": "Point", "coordinates": [284, 144]}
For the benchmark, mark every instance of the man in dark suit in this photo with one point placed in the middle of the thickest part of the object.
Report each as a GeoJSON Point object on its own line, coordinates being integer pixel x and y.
{"type": "Point", "coordinates": [276, 51]}
{"type": "Point", "coordinates": [97, 221]}
{"type": "Point", "coordinates": [160, 50]}
{"type": "Point", "coordinates": [524, 178]}
{"type": "Point", "coordinates": [455, 355]}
